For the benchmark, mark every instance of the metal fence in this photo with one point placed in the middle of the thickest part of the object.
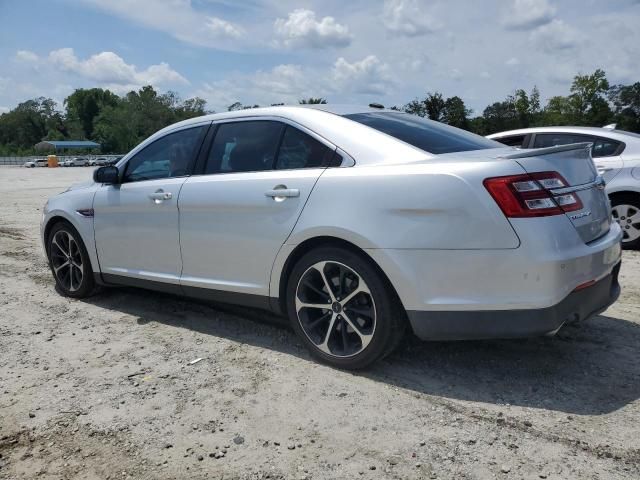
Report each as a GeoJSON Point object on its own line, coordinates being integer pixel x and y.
{"type": "Point", "coordinates": [61, 158]}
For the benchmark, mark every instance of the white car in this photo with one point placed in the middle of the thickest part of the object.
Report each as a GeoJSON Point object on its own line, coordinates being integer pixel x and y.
{"type": "Point", "coordinates": [98, 162]}
{"type": "Point", "coordinates": [36, 162]}
{"type": "Point", "coordinates": [353, 222]}
{"type": "Point", "coordinates": [616, 154]}
{"type": "Point", "coordinates": [76, 162]}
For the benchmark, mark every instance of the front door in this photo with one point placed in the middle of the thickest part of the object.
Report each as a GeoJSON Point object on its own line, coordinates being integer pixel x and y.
{"type": "Point", "coordinates": [136, 222]}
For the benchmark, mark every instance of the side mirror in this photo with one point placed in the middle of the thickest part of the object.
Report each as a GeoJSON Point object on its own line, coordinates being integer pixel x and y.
{"type": "Point", "coordinates": [108, 175]}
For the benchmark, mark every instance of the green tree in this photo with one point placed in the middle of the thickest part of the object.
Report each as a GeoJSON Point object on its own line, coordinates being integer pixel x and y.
{"type": "Point", "coordinates": [29, 123]}
{"type": "Point", "coordinates": [84, 105]}
{"type": "Point", "coordinates": [456, 113]}
{"type": "Point", "coordinates": [432, 106]}
{"type": "Point", "coordinates": [588, 100]}
{"type": "Point", "coordinates": [558, 111]}
{"type": "Point", "coordinates": [626, 100]}
{"type": "Point", "coordinates": [312, 101]}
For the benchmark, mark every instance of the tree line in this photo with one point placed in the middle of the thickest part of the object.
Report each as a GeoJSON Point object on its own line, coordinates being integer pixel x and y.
{"type": "Point", "coordinates": [119, 123]}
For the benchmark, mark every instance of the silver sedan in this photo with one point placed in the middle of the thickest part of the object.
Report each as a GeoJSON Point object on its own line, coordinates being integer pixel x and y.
{"type": "Point", "coordinates": [357, 223]}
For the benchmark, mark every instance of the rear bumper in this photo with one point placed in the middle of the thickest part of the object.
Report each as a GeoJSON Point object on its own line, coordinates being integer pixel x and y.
{"type": "Point", "coordinates": [467, 325]}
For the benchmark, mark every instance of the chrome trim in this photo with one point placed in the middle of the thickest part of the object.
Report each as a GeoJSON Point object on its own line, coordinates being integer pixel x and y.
{"type": "Point", "coordinates": [85, 212]}
{"type": "Point", "coordinates": [275, 118]}
{"type": "Point", "coordinates": [597, 183]}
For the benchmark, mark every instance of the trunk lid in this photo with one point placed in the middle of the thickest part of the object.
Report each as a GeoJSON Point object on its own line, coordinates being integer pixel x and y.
{"type": "Point", "coordinates": [576, 166]}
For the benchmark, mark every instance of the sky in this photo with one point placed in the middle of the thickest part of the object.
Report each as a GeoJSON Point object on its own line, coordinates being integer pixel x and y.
{"type": "Point", "coordinates": [279, 51]}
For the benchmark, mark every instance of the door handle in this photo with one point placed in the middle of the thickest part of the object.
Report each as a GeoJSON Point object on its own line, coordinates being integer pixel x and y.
{"type": "Point", "coordinates": [602, 170]}
{"type": "Point", "coordinates": [160, 196]}
{"type": "Point", "coordinates": [282, 193]}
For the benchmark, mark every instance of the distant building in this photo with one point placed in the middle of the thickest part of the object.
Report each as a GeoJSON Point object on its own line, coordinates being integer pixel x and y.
{"type": "Point", "coordinates": [66, 145]}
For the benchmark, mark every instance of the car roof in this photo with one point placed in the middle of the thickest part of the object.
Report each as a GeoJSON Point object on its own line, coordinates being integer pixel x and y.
{"type": "Point", "coordinates": [602, 132]}
{"type": "Point", "coordinates": [365, 144]}
{"type": "Point", "coordinates": [631, 140]}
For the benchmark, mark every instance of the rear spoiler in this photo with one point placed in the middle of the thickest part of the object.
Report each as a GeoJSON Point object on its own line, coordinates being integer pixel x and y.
{"type": "Point", "coordinates": [537, 152]}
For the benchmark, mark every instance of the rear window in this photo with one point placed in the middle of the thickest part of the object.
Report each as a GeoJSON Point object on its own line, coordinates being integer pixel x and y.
{"type": "Point", "coordinates": [428, 135]}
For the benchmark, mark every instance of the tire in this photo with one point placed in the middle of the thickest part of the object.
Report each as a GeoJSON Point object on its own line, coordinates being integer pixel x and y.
{"type": "Point", "coordinates": [364, 326]}
{"type": "Point", "coordinates": [626, 211]}
{"type": "Point", "coordinates": [72, 272]}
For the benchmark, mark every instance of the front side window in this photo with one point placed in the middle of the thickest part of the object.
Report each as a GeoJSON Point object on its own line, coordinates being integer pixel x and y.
{"type": "Point", "coordinates": [169, 156]}
{"type": "Point", "coordinates": [428, 135]}
{"type": "Point", "coordinates": [244, 147]}
{"type": "Point", "coordinates": [299, 150]}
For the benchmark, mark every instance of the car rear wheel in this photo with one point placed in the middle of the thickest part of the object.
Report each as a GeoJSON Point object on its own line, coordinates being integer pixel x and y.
{"type": "Point", "coordinates": [343, 309]}
{"type": "Point", "coordinates": [626, 211]}
{"type": "Point", "coordinates": [69, 262]}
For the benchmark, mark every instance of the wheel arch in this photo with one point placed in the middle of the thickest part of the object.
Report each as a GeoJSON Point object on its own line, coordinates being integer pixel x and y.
{"type": "Point", "coordinates": [52, 222]}
{"type": "Point", "coordinates": [85, 231]}
{"type": "Point", "coordinates": [325, 241]}
{"type": "Point", "coordinates": [623, 193]}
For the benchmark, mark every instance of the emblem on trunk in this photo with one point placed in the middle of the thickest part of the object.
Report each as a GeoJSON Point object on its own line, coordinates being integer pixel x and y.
{"type": "Point", "coordinates": [576, 216]}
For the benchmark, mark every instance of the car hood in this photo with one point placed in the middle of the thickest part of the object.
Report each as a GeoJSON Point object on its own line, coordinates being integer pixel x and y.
{"type": "Point", "coordinates": [82, 185]}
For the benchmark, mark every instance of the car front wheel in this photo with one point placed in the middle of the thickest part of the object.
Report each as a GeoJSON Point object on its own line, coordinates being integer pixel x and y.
{"type": "Point", "coordinates": [343, 309]}
{"type": "Point", "coordinates": [69, 262]}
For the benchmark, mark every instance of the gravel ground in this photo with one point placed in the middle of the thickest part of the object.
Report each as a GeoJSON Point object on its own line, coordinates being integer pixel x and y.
{"type": "Point", "coordinates": [103, 388]}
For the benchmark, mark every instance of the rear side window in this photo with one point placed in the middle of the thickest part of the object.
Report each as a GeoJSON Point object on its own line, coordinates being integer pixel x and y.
{"type": "Point", "coordinates": [543, 140]}
{"type": "Point", "coordinates": [428, 135]}
{"type": "Point", "coordinates": [512, 140]}
{"type": "Point", "coordinates": [602, 147]}
{"type": "Point", "coordinates": [299, 150]}
{"type": "Point", "coordinates": [605, 147]}
{"type": "Point", "coordinates": [244, 147]}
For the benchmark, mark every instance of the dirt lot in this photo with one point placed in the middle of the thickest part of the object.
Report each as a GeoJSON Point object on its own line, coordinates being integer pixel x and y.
{"type": "Point", "coordinates": [103, 388]}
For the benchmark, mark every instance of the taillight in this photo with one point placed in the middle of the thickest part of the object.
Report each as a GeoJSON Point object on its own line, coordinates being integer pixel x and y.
{"type": "Point", "coordinates": [529, 195]}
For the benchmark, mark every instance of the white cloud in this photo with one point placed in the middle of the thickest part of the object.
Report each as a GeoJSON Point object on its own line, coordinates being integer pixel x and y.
{"type": "Point", "coordinates": [556, 36]}
{"type": "Point", "coordinates": [528, 14]}
{"type": "Point", "coordinates": [408, 18]}
{"type": "Point", "coordinates": [178, 18]}
{"type": "Point", "coordinates": [4, 109]}
{"type": "Point", "coordinates": [26, 56]}
{"type": "Point", "coordinates": [285, 83]}
{"type": "Point", "coordinates": [110, 69]}
{"type": "Point", "coordinates": [455, 74]}
{"type": "Point", "coordinates": [367, 76]}
{"type": "Point", "coordinates": [301, 28]}
{"type": "Point", "coordinates": [512, 62]}
{"type": "Point", "coordinates": [222, 28]}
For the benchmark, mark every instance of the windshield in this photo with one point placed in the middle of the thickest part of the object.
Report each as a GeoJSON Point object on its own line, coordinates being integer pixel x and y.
{"type": "Point", "coordinates": [428, 135]}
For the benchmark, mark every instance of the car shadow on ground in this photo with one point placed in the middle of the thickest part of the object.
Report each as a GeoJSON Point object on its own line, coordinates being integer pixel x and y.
{"type": "Point", "coordinates": [591, 368]}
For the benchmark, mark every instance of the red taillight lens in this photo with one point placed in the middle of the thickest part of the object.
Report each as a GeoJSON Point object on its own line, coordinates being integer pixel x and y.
{"type": "Point", "coordinates": [528, 195]}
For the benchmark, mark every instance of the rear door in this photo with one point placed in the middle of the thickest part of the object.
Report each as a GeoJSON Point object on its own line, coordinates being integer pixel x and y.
{"type": "Point", "coordinates": [581, 179]}
{"type": "Point", "coordinates": [236, 215]}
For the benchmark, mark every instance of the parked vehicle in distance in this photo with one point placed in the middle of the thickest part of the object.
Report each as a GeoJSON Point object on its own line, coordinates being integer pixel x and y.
{"type": "Point", "coordinates": [100, 162]}
{"type": "Point", "coordinates": [354, 222]}
{"type": "Point", "coordinates": [616, 154]}
{"type": "Point", "coordinates": [78, 162]}
{"type": "Point", "coordinates": [36, 162]}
